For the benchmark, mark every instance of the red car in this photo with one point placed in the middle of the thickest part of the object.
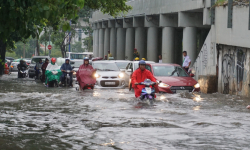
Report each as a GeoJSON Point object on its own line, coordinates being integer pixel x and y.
{"type": "Point", "coordinates": [174, 79]}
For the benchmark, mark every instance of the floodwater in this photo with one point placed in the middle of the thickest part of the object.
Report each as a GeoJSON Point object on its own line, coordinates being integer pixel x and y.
{"type": "Point", "coordinates": [33, 117]}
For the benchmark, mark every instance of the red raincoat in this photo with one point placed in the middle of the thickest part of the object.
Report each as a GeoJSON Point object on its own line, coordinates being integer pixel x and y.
{"type": "Point", "coordinates": [140, 76]}
{"type": "Point", "coordinates": [85, 75]}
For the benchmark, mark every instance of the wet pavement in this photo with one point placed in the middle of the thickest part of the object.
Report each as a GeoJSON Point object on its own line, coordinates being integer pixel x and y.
{"type": "Point", "coordinates": [34, 117]}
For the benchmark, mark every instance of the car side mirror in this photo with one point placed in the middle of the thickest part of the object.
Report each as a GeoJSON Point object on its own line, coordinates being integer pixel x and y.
{"type": "Point", "coordinates": [130, 70]}
{"type": "Point", "coordinates": [191, 75]}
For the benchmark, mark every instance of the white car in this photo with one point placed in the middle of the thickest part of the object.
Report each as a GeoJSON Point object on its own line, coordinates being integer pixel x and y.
{"type": "Point", "coordinates": [131, 67]}
{"type": "Point", "coordinates": [108, 75]}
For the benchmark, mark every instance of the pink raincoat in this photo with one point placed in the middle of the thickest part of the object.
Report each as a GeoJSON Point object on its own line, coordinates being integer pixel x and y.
{"type": "Point", "coordinates": [85, 75]}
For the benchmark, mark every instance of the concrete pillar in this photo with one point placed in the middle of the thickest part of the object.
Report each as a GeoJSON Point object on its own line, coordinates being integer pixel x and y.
{"type": "Point", "coordinates": [113, 42]}
{"type": "Point", "coordinates": [106, 41]}
{"type": "Point", "coordinates": [101, 43]}
{"type": "Point", "coordinates": [140, 41]}
{"type": "Point", "coordinates": [189, 42]}
{"type": "Point", "coordinates": [130, 43]}
{"type": "Point", "coordinates": [96, 43]}
{"type": "Point", "coordinates": [120, 48]}
{"type": "Point", "coordinates": [168, 45]}
{"type": "Point", "coordinates": [152, 44]}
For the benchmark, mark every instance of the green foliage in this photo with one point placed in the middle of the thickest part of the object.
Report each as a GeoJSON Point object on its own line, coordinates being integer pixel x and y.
{"type": "Point", "coordinates": [88, 43]}
{"type": "Point", "coordinates": [77, 47]}
{"type": "Point", "coordinates": [111, 7]}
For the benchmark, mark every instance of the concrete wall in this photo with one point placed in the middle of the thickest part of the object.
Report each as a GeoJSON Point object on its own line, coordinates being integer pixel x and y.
{"type": "Point", "coordinates": [238, 35]}
{"type": "Point", "coordinates": [234, 75]}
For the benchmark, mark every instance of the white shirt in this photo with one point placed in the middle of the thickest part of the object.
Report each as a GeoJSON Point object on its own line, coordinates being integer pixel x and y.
{"type": "Point", "coordinates": [186, 61]}
{"type": "Point", "coordinates": [160, 61]}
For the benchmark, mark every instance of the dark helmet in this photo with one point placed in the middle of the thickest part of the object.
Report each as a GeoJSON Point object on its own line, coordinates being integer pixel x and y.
{"type": "Point", "coordinates": [142, 62]}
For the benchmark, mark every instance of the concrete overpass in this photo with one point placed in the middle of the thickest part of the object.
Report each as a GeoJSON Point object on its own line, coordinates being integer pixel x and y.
{"type": "Point", "coordinates": [210, 35]}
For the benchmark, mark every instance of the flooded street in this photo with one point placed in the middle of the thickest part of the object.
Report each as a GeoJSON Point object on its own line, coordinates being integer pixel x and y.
{"type": "Point", "coordinates": [35, 117]}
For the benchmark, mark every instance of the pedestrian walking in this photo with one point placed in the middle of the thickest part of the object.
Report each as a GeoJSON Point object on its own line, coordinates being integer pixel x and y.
{"type": "Point", "coordinates": [160, 58]}
{"type": "Point", "coordinates": [136, 54]}
{"type": "Point", "coordinates": [186, 61]}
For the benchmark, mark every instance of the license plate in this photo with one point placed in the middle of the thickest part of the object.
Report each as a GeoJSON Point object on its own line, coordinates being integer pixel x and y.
{"type": "Point", "coordinates": [182, 91]}
{"type": "Point", "coordinates": [109, 83]}
{"type": "Point", "coordinates": [148, 90]}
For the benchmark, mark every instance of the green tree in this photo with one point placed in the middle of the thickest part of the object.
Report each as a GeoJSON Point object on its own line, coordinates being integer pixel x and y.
{"type": "Point", "coordinates": [22, 18]}
{"type": "Point", "coordinates": [88, 43]}
{"type": "Point", "coordinates": [77, 47]}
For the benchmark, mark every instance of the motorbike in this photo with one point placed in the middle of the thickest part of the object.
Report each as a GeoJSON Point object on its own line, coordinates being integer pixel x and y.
{"type": "Point", "coordinates": [53, 83]}
{"type": "Point", "coordinates": [22, 73]}
{"type": "Point", "coordinates": [148, 93]}
{"type": "Point", "coordinates": [67, 78]}
{"type": "Point", "coordinates": [39, 77]}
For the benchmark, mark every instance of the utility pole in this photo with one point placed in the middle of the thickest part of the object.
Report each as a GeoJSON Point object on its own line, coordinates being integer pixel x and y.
{"type": "Point", "coordinates": [69, 34]}
{"type": "Point", "coordinates": [45, 41]}
{"type": "Point", "coordinates": [23, 50]}
{"type": "Point", "coordinates": [49, 44]}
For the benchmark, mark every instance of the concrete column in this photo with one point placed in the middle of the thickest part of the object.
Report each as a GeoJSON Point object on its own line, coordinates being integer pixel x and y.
{"type": "Point", "coordinates": [106, 41]}
{"type": "Point", "coordinates": [101, 43]}
{"type": "Point", "coordinates": [130, 43]}
{"type": "Point", "coordinates": [189, 42]}
{"type": "Point", "coordinates": [152, 44]}
{"type": "Point", "coordinates": [113, 42]}
{"type": "Point", "coordinates": [140, 41]}
{"type": "Point", "coordinates": [96, 43]}
{"type": "Point", "coordinates": [168, 45]}
{"type": "Point", "coordinates": [120, 48]}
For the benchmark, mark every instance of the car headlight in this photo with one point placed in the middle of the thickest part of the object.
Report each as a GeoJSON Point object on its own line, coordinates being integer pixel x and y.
{"type": "Point", "coordinates": [163, 85]}
{"type": "Point", "coordinates": [97, 75]}
{"type": "Point", "coordinates": [197, 85]}
{"type": "Point", "coordinates": [121, 75]}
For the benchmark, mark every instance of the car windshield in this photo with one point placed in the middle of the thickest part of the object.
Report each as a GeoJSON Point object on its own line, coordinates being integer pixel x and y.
{"type": "Point", "coordinates": [76, 64]}
{"type": "Point", "coordinates": [77, 56]}
{"type": "Point", "coordinates": [169, 71]}
{"type": "Point", "coordinates": [122, 65]}
{"type": "Point", "coordinates": [102, 66]}
{"type": "Point", "coordinates": [35, 60]}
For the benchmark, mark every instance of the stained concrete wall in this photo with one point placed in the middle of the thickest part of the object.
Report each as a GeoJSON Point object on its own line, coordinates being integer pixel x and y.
{"type": "Point", "coordinates": [234, 75]}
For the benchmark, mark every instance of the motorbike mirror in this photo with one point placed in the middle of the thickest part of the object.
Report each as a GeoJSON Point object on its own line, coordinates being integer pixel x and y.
{"type": "Point", "coordinates": [122, 70]}
{"type": "Point", "coordinates": [73, 67]}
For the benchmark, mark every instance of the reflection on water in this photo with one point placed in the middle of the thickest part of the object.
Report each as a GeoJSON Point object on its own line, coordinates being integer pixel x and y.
{"type": "Point", "coordinates": [35, 117]}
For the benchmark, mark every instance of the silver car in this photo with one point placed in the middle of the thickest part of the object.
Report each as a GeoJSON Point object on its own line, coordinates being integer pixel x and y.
{"type": "Point", "coordinates": [108, 75]}
{"type": "Point", "coordinates": [13, 67]}
{"type": "Point", "coordinates": [34, 60]}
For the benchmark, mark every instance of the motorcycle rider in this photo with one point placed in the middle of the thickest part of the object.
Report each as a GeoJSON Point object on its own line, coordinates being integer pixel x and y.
{"type": "Point", "coordinates": [44, 66]}
{"type": "Point", "coordinates": [38, 67]}
{"type": "Point", "coordinates": [51, 66]}
{"type": "Point", "coordinates": [21, 65]}
{"type": "Point", "coordinates": [66, 66]}
{"type": "Point", "coordinates": [85, 74]}
{"type": "Point", "coordinates": [139, 75]}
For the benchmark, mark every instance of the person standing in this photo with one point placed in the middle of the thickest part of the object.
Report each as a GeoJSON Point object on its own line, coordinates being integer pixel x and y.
{"type": "Point", "coordinates": [160, 58]}
{"type": "Point", "coordinates": [136, 54]}
{"type": "Point", "coordinates": [186, 61]}
{"type": "Point", "coordinates": [109, 55]}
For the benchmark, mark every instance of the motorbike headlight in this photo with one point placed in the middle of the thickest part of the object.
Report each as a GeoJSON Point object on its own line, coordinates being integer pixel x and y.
{"type": "Point", "coordinates": [197, 85]}
{"type": "Point", "coordinates": [121, 75]}
{"type": "Point", "coordinates": [97, 75]}
{"type": "Point", "coordinates": [163, 85]}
